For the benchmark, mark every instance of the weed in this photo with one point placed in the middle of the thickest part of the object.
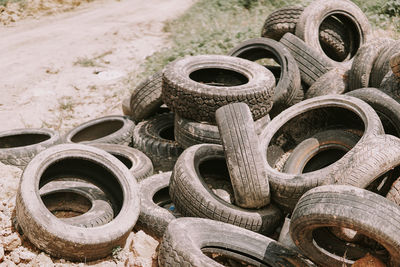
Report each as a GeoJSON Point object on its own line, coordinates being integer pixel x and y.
{"type": "Point", "coordinates": [93, 62]}
{"type": "Point", "coordinates": [66, 104]}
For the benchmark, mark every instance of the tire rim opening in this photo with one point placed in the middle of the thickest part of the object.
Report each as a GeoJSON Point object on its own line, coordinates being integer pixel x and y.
{"type": "Point", "coordinates": [19, 140]}
{"type": "Point", "coordinates": [167, 133]}
{"type": "Point", "coordinates": [218, 77]}
{"type": "Point", "coordinates": [63, 204]}
{"type": "Point", "coordinates": [230, 257]}
{"type": "Point", "coordinates": [323, 159]}
{"type": "Point", "coordinates": [161, 198]}
{"type": "Point", "coordinates": [97, 131]}
{"type": "Point", "coordinates": [126, 161]}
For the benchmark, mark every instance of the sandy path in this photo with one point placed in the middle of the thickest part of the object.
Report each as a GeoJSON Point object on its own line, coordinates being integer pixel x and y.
{"type": "Point", "coordinates": [62, 70]}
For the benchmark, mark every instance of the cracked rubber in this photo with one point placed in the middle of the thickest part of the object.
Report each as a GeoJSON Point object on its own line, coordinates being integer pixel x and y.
{"type": "Point", "coordinates": [19, 146]}
{"type": "Point", "coordinates": [193, 198]}
{"type": "Point", "coordinates": [109, 129]}
{"type": "Point", "coordinates": [244, 160]}
{"type": "Point", "coordinates": [349, 207]}
{"type": "Point", "coordinates": [220, 80]}
{"type": "Point", "coordinates": [186, 240]}
{"type": "Point", "coordinates": [334, 81]}
{"type": "Point", "coordinates": [58, 238]}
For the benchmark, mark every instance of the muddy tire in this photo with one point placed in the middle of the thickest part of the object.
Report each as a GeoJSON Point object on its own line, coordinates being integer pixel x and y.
{"type": "Point", "coordinates": [311, 64]}
{"type": "Point", "coordinates": [155, 138]}
{"type": "Point", "coordinates": [288, 90]}
{"type": "Point", "coordinates": [244, 160]}
{"type": "Point", "coordinates": [381, 65]}
{"type": "Point", "coordinates": [349, 207]}
{"type": "Point", "coordinates": [353, 18]}
{"type": "Point", "coordinates": [334, 81]}
{"type": "Point", "coordinates": [193, 198]}
{"type": "Point", "coordinates": [18, 147]}
{"type": "Point", "coordinates": [77, 197]}
{"type": "Point", "coordinates": [136, 161]}
{"type": "Point", "coordinates": [363, 62]}
{"type": "Point", "coordinates": [58, 238]}
{"type": "Point", "coordinates": [386, 107]}
{"type": "Point", "coordinates": [302, 121]}
{"type": "Point", "coordinates": [109, 129]}
{"type": "Point", "coordinates": [195, 87]}
{"type": "Point", "coordinates": [183, 245]}
{"type": "Point", "coordinates": [189, 133]}
{"type": "Point", "coordinates": [146, 98]}
{"type": "Point", "coordinates": [395, 64]}
{"type": "Point", "coordinates": [153, 218]}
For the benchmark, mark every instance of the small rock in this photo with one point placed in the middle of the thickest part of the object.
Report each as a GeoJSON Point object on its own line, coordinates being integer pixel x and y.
{"type": "Point", "coordinates": [143, 245]}
{"type": "Point", "coordinates": [14, 256]}
{"type": "Point", "coordinates": [1, 254]}
{"type": "Point", "coordinates": [11, 242]}
{"type": "Point", "coordinates": [42, 260]}
{"type": "Point", "coordinates": [27, 255]}
{"type": "Point", "coordinates": [8, 263]}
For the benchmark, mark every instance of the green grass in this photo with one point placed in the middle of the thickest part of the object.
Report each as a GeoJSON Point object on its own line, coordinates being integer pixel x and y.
{"type": "Point", "coordinates": [4, 2]}
{"type": "Point", "coordinates": [216, 26]}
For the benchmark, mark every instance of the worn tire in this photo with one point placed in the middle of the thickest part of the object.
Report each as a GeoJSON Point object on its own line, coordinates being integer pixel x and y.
{"type": "Point", "coordinates": [350, 14]}
{"type": "Point", "coordinates": [18, 147]}
{"type": "Point", "coordinates": [381, 65]}
{"type": "Point", "coordinates": [386, 107]}
{"type": "Point", "coordinates": [394, 192]}
{"type": "Point", "coordinates": [243, 156]}
{"type": "Point", "coordinates": [153, 218]}
{"type": "Point", "coordinates": [334, 81]}
{"type": "Point", "coordinates": [146, 98]}
{"type": "Point", "coordinates": [189, 133]}
{"type": "Point", "coordinates": [188, 90]}
{"type": "Point", "coordinates": [193, 198]}
{"type": "Point", "coordinates": [135, 160]}
{"type": "Point", "coordinates": [109, 129]}
{"type": "Point", "coordinates": [184, 245]}
{"type": "Point", "coordinates": [281, 21]}
{"type": "Point", "coordinates": [391, 86]}
{"type": "Point", "coordinates": [350, 207]}
{"type": "Point", "coordinates": [302, 121]}
{"type": "Point", "coordinates": [310, 62]}
{"type": "Point", "coordinates": [66, 241]}
{"type": "Point", "coordinates": [395, 64]}
{"type": "Point", "coordinates": [155, 138]}
{"type": "Point", "coordinates": [363, 62]}
{"type": "Point", "coordinates": [126, 107]}
{"type": "Point", "coordinates": [288, 90]}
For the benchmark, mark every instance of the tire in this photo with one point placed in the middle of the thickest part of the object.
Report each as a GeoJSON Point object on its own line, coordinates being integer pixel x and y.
{"type": "Point", "coordinates": [108, 129]}
{"type": "Point", "coordinates": [347, 12]}
{"type": "Point", "coordinates": [78, 197]}
{"type": "Point", "coordinates": [66, 241]}
{"type": "Point", "coordinates": [146, 98]}
{"type": "Point", "coordinates": [184, 242]}
{"type": "Point", "coordinates": [395, 64]}
{"type": "Point", "coordinates": [155, 138]}
{"type": "Point", "coordinates": [307, 156]}
{"type": "Point", "coordinates": [334, 81]}
{"type": "Point", "coordinates": [126, 107]}
{"type": "Point", "coordinates": [349, 207]}
{"type": "Point", "coordinates": [288, 89]}
{"type": "Point", "coordinates": [189, 133]}
{"type": "Point", "coordinates": [281, 21]}
{"type": "Point", "coordinates": [243, 156]}
{"type": "Point", "coordinates": [381, 65]}
{"type": "Point", "coordinates": [386, 107]}
{"type": "Point", "coordinates": [394, 192]}
{"type": "Point", "coordinates": [391, 86]}
{"type": "Point", "coordinates": [363, 62]}
{"type": "Point", "coordinates": [193, 197]}
{"type": "Point", "coordinates": [18, 147]}
{"type": "Point", "coordinates": [302, 121]}
{"type": "Point", "coordinates": [195, 87]}
{"type": "Point", "coordinates": [311, 64]}
{"type": "Point", "coordinates": [153, 218]}
{"type": "Point", "coordinates": [135, 160]}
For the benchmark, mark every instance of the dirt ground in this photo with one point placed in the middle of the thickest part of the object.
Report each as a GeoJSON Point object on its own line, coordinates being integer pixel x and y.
{"type": "Point", "coordinates": [60, 70]}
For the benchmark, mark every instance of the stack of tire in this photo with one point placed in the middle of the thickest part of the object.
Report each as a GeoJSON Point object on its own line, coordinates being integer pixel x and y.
{"type": "Point", "coordinates": [293, 162]}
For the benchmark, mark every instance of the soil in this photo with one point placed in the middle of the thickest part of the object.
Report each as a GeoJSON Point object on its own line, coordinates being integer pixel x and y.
{"type": "Point", "coordinates": [62, 69]}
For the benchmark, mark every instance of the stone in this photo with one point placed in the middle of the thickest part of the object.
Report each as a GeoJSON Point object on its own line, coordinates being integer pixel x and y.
{"type": "Point", "coordinates": [143, 245]}
{"type": "Point", "coordinates": [11, 242]}
{"type": "Point", "coordinates": [14, 256]}
{"type": "Point", "coordinates": [42, 260]}
{"type": "Point", "coordinates": [1, 253]}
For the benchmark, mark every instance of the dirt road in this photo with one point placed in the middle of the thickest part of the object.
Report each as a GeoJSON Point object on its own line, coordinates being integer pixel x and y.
{"type": "Point", "coordinates": [65, 69]}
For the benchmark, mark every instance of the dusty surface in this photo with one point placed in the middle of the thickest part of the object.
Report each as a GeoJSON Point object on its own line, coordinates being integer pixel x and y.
{"type": "Point", "coordinates": [61, 70]}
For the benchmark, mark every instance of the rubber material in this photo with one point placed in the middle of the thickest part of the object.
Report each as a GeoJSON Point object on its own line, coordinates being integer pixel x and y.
{"type": "Point", "coordinates": [395, 64]}
{"type": "Point", "coordinates": [381, 65]}
{"type": "Point", "coordinates": [334, 81]}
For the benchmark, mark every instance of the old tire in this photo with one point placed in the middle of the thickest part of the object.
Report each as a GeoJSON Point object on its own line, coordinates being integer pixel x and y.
{"type": "Point", "coordinates": [395, 64]}
{"type": "Point", "coordinates": [288, 89]}
{"type": "Point", "coordinates": [154, 191]}
{"type": "Point", "coordinates": [189, 133]}
{"type": "Point", "coordinates": [126, 107]}
{"type": "Point", "coordinates": [386, 107]}
{"type": "Point", "coordinates": [18, 147]}
{"type": "Point", "coordinates": [108, 129]}
{"type": "Point", "coordinates": [155, 138]}
{"type": "Point", "coordinates": [334, 81]}
{"type": "Point", "coordinates": [195, 87]}
{"type": "Point", "coordinates": [184, 245]}
{"type": "Point", "coordinates": [192, 197]}
{"type": "Point", "coordinates": [394, 192]}
{"type": "Point", "coordinates": [381, 65]}
{"type": "Point", "coordinates": [146, 99]}
{"type": "Point", "coordinates": [302, 121]}
{"type": "Point", "coordinates": [350, 14]}
{"type": "Point", "coordinates": [311, 63]}
{"type": "Point", "coordinates": [66, 241]}
{"type": "Point", "coordinates": [350, 207]}
{"type": "Point", "coordinates": [391, 86]}
{"type": "Point", "coordinates": [136, 161]}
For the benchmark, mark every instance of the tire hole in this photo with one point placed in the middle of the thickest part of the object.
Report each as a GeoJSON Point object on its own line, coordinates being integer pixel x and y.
{"type": "Point", "coordinates": [127, 162]}
{"type": "Point", "coordinates": [66, 204]}
{"type": "Point", "coordinates": [218, 77]}
{"type": "Point", "coordinates": [19, 140]}
{"type": "Point", "coordinates": [167, 133]}
{"type": "Point", "coordinates": [97, 131]}
{"type": "Point", "coordinates": [323, 159]}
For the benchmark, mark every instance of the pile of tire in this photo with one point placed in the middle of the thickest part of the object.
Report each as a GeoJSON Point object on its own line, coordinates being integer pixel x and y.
{"type": "Point", "coordinates": [293, 162]}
